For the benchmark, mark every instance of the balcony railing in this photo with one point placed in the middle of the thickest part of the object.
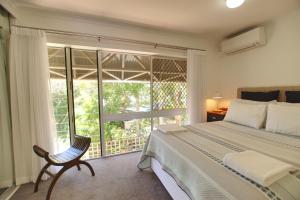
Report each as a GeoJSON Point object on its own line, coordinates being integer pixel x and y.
{"type": "Point", "coordinates": [118, 146]}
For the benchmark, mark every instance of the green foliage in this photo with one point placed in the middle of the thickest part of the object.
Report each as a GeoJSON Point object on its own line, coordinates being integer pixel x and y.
{"type": "Point", "coordinates": [60, 106]}
{"type": "Point", "coordinates": [86, 109]}
{"type": "Point", "coordinates": [121, 97]}
{"type": "Point", "coordinates": [124, 97]}
{"type": "Point", "coordinates": [118, 98]}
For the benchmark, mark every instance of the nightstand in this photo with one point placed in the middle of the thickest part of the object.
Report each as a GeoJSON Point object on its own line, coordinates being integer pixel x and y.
{"type": "Point", "coordinates": [213, 116]}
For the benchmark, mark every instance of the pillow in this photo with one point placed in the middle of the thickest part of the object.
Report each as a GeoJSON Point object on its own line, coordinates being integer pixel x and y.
{"type": "Point", "coordinates": [292, 96]}
{"type": "Point", "coordinates": [252, 115]}
{"type": "Point", "coordinates": [284, 118]}
{"type": "Point", "coordinates": [255, 102]}
{"type": "Point", "coordinates": [260, 96]}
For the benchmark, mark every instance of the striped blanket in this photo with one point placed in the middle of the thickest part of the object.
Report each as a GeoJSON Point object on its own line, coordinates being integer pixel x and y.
{"type": "Point", "coordinates": [194, 159]}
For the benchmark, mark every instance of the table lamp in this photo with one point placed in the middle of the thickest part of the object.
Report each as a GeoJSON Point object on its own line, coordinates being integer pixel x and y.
{"type": "Point", "coordinates": [217, 97]}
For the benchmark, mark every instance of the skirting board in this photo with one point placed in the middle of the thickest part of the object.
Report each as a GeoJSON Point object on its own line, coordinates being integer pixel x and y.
{"type": "Point", "coordinates": [9, 192]}
{"type": "Point", "coordinates": [170, 184]}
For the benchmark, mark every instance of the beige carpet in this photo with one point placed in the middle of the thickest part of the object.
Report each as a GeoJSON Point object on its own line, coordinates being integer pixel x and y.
{"type": "Point", "coordinates": [117, 178]}
{"type": "Point", "coordinates": [2, 190]}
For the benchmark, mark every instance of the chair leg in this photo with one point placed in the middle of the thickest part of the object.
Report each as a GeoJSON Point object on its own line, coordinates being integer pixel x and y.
{"type": "Point", "coordinates": [54, 181]}
{"type": "Point", "coordinates": [38, 180]}
{"type": "Point", "coordinates": [78, 167]}
{"type": "Point", "coordinates": [88, 165]}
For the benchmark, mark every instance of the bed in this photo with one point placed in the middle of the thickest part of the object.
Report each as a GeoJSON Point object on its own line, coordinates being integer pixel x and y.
{"type": "Point", "coordinates": [189, 163]}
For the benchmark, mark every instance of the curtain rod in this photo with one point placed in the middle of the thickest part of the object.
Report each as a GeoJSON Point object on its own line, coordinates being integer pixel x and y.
{"type": "Point", "coordinates": [99, 37]}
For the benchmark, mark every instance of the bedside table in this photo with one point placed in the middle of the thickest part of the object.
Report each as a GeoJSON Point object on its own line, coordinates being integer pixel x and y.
{"type": "Point", "coordinates": [213, 116]}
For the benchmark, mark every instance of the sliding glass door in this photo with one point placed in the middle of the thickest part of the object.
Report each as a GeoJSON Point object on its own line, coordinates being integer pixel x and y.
{"type": "Point", "coordinates": [126, 101]}
{"type": "Point", "coordinates": [58, 91]}
{"type": "Point", "coordinates": [86, 98]}
{"type": "Point", "coordinates": [115, 98]}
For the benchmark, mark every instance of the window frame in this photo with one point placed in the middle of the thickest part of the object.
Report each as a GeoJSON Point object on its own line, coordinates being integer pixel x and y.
{"type": "Point", "coordinates": [106, 117]}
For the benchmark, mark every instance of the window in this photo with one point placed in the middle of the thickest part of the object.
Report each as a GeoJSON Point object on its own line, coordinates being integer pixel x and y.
{"type": "Point", "coordinates": [176, 119]}
{"type": "Point", "coordinates": [85, 97]}
{"type": "Point", "coordinates": [126, 83]}
{"type": "Point", "coordinates": [169, 84]}
{"type": "Point", "coordinates": [170, 89]}
{"type": "Point", "coordinates": [116, 102]}
{"type": "Point", "coordinates": [126, 89]}
{"type": "Point", "coordinates": [58, 91]}
{"type": "Point", "coordinates": [126, 136]}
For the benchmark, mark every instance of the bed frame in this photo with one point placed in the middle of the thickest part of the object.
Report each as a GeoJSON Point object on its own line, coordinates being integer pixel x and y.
{"type": "Point", "coordinates": [168, 181]}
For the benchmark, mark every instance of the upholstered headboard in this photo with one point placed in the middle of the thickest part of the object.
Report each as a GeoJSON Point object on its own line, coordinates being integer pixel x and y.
{"type": "Point", "coordinates": [282, 90]}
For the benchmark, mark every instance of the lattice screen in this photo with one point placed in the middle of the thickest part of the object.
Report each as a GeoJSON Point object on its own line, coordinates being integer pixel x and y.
{"type": "Point", "coordinates": [125, 67]}
{"type": "Point", "coordinates": [169, 83]}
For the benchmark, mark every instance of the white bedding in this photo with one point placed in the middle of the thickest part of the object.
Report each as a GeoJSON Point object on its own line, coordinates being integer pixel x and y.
{"type": "Point", "coordinates": [194, 159]}
{"type": "Point", "coordinates": [170, 128]}
{"type": "Point", "coordinates": [170, 184]}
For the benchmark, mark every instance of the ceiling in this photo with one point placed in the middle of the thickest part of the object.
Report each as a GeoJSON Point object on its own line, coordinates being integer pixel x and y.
{"type": "Point", "coordinates": [203, 17]}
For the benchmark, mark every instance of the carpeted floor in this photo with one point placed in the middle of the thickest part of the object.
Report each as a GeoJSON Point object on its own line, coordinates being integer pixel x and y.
{"type": "Point", "coordinates": [2, 190]}
{"type": "Point", "coordinates": [117, 178]}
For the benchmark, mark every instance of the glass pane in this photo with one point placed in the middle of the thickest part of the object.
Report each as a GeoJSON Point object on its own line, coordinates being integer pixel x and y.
{"type": "Point", "coordinates": [169, 83]}
{"type": "Point", "coordinates": [126, 83]}
{"type": "Point", "coordinates": [177, 119]}
{"type": "Point", "coordinates": [85, 89]}
{"type": "Point", "coordinates": [126, 88]}
{"type": "Point", "coordinates": [126, 136]}
{"type": "Point", "coordinates": [126, 97]}
{"type": "Point", "coordinates": [58, 90]}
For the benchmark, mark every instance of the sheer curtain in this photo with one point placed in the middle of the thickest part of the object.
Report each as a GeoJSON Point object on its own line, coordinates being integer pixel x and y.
{"type": "Point", "coordinates": [6, 166]}
{"type": "Point", "coordinates": [32, 114]}
{"type": "Point", "coordinates": [196, 85]}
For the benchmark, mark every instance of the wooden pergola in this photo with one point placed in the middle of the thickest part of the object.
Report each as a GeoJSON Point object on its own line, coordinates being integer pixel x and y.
{"type": "Point", "coordinates": [117, 66]}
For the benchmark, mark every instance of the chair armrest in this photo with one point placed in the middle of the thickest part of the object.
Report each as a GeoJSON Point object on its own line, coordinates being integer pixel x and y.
{"type": "Point", "coordinates": [41, 152]}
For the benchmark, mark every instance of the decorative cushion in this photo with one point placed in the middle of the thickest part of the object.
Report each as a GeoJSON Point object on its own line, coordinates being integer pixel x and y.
{"type": "Point", "coordinates": [292, 96]}
{"type": "Point", "coordinates": [260, 96]}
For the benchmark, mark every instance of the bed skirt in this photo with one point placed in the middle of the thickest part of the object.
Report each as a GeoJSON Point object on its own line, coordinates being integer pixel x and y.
{"type": "Point", "coordinates": [169, 183]}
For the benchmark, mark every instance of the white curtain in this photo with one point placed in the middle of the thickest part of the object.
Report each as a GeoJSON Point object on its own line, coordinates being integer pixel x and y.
{"type": "Point", "coordinates": [32, 114]}
{"type": "Point", "coordinates": [196, 86]}
{"type": "Point", "coordinates": [6, 164]}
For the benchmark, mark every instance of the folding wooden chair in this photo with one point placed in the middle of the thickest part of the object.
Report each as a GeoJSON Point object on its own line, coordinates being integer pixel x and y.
{"type": "Point", "coordinates": [67, 159]}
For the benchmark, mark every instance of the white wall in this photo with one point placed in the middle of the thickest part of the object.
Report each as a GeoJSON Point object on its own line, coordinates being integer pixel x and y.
{"type": "Point", "coordinates": [83, 24]}
{"type": "Point", "coordinates": [276, 64]}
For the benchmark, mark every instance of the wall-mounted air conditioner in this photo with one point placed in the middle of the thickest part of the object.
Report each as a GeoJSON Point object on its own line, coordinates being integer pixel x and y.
{"type": "Point", "coordinates": [248, 40]}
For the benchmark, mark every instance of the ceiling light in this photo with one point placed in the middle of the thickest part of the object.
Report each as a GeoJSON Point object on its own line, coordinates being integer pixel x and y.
{"type": "Point", "coordinates": [234, 3]}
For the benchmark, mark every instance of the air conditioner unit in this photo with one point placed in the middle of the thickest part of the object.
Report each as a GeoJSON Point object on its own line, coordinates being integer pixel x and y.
{"type": "Point", "coordinates": [248, 40]}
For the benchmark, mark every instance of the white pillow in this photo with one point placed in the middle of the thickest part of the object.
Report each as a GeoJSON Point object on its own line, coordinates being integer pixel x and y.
{"type": "Point", "coordinates": [284, 118]}
{"type": "Point", "coordinates": [247, 114]}
{"type": "Point", "coordinates": [255, 102]}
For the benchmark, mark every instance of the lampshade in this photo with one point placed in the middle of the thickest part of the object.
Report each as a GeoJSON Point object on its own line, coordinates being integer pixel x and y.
{"type": "Point", "coordinates": [234, 3]}
{"type": "Point", "coordinates": [217, 95]}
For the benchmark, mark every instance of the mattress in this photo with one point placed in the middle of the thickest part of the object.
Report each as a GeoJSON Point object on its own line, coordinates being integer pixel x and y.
{"type": "Point", "coordinates": [194, 159]}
